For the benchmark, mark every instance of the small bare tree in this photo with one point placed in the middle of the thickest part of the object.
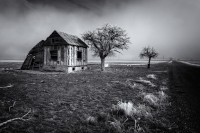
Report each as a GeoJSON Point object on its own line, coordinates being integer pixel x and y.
{"type": "Point", "coordinates": [106, 41]}
{"type": "Point", "coordinates": [148, 52]}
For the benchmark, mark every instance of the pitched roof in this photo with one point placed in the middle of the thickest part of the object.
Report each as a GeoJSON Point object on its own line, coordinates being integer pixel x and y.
{"type": "Point", "coordinates": [38, 47]}
{"type": "Point", "coordinates": [71, 39]}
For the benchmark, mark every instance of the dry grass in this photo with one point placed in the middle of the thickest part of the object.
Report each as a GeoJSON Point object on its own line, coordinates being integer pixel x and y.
{"type": "Point", "coordinates": [163, 88]}
{"type": "Point", "coordinates": [151, 99]}
{"type": "Point", "coordinates": [142, 80]}
{"type": "Point", "coordinates": [85, 101]}
{"type": "Point", "coordinates": [127, 108]}
{"type": "Point", "coordinates": [151, 76]}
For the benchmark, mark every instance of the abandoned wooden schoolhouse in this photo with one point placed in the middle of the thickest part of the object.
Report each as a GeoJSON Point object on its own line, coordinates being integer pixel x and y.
{"type": "Point", "coordinates": [60, 51]}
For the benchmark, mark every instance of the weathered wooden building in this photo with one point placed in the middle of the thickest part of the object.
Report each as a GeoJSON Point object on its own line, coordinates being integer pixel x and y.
{"type": "Point", "coordinates": [60, 51]}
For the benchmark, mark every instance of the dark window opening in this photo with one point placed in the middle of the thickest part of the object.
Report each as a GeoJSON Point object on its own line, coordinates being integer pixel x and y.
{"type": "Point", "coordinates": [82, 67]}
{"type": "Point", "coordinates": [54, 55]}
{"type": "Point", "coordinates": [55, 47]}
{"type": "Point", "coordinates": [54, 58]}
{"type": "Point", "coordinates": [55, 40]}
{"type": "Point", "coordinates": [79, 54]}
{"type": "Point", "coordinates": [62, 53]}
{"type": "Point", "coordinates": [73, 68]}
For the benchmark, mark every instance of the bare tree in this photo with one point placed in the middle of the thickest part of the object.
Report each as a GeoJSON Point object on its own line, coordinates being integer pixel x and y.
{"type": "Point", "coordinates": [106, 41]}
{"type": "Point", "coordinates": [148, 52]}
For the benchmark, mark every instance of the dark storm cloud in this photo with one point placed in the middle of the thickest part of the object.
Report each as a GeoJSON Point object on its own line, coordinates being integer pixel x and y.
{"type": "Point", "coordinates": [25, 22]}
{"type": "Point", "coordinates": [171, 26]}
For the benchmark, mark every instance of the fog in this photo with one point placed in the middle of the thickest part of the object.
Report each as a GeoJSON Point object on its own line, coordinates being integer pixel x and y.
{"type": "Point", "coordinates": [170, 26]}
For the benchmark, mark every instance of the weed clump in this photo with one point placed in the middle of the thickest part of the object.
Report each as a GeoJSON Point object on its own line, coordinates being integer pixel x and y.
{"type": "Point", "coordinates": [147, 82]}
{"type": "Point", "coordinates": [151, 99]}
{"type": "Point", "coordinates": [91, 120]}
{"type": "Point", "coordinates": [162, 95]}
{"type": "Point", "coordinates": [124, 108]}
{"type": "Point", "coordinates": [151, 76]}
{"type": "Point", "coordinates": [139, 86]}
{"type": "Point", "coordinates": [163, 88]}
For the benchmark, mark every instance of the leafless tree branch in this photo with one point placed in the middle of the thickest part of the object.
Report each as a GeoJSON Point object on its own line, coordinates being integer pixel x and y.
{"type": "Point", "coordinates": [107, 40]}
{"type": "Point", "coordinates": [149, 52]}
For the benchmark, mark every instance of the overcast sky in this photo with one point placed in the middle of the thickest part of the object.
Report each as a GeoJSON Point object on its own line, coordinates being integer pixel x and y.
{"type": "Point", "coordinates": [172, 27]}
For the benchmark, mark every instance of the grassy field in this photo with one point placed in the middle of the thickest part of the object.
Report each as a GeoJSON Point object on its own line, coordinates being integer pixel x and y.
{"type": "Point", "coordinates": [10, 65]}
{"type": "Point", "coordinates": [121, 99]}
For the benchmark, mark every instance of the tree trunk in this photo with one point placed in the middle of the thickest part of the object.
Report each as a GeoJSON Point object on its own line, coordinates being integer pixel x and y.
{"type": "Point", "coordinates": [102, 64]}
{"type": "Point", "coordinates": [149, 63]}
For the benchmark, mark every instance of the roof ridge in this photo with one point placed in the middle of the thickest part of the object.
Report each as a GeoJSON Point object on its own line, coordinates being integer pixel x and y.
{"type": "Point", "coordinates": [66, 33]}
{"type": "Point", "coordinates": [71, 39]}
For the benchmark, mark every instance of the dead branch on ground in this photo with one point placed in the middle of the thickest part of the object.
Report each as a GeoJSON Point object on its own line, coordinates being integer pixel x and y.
{"type": "Point", "coordinates": [18, 118]}
{"type": "Point", "coordinates": [9, 86]}
{"type": "Point", "coordinates": [12, 106]}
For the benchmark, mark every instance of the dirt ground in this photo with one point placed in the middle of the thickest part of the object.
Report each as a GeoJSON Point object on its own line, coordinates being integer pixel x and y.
{"type": "Point", "coordinates": [185, 97]}
{"type": "Point", "coordinates": [84, 101]}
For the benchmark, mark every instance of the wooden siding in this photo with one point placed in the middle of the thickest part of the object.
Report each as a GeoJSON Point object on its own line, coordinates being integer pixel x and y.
{"type": "Point", "coordinates": [56, 52]}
